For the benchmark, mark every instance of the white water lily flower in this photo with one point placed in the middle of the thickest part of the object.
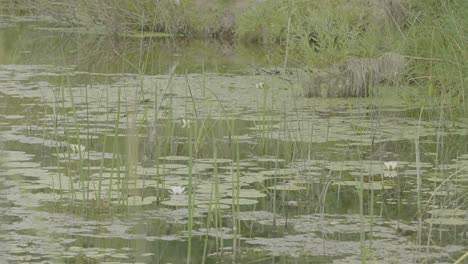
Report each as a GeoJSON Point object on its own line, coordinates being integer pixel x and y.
{"type": "Point", "coordinates": [185, 123]}
{"type": "Point", "coordinates": [390, 165]}
{"type": "Point", "coordinates": [177, 190]}
{"type": "Point", "coordinates": [75, 148]}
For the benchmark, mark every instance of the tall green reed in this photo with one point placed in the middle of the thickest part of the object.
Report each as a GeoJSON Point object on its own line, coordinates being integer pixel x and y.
{"type": "Point", "coordinates": [58, 146]}
{"type": "Point", "coordinates": [190, 197]}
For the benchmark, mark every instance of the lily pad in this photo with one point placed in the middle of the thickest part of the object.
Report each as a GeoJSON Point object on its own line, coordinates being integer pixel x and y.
{"type": "Point", "coordinates": [346, 183]}
{"type": "Point", "coordinates": [212, 161]}
{"type": "Point", "coordinates": [279, 173]}
{"type": "Point", "coordinates": [213, 207]}
{"type": "Point", "coordinates": [435, 179]}
{"type": "Point", "coordinates": [138, 200]}
{"type": "Point", "coordinates": [287, 187]}
{"type": "Point", "coordinates": [176, 202]}
{"type": "Point", "coordinates": [273, 160]}
{"type": "Point", "coordinates": [23, 164]}
{"type": "Point", "coordinates": [253, 177]}
{"type": "Point", "coordinates": [376, 186]}
{"type": "Point", "coordinates": [447, 221]}
{"type": "Point", "coordinates": [448, 212]}
{"type": "Point", "coordinates": [241, 201]}
{"type": "Point", "coordinates": [175, 158]}
{"type": "Point", "coordinates": [250, 193]}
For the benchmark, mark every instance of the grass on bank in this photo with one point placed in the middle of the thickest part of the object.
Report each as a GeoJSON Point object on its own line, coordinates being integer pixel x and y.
{"type": "Point", "coordinates": [312, 34]}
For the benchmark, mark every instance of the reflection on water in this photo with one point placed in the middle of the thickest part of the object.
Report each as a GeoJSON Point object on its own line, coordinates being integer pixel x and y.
{"type": "Point", "coordinates": [274, 176]}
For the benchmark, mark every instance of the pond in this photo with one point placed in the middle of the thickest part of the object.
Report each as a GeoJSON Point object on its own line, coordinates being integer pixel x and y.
{"type": "Point", "coordinates": [155, 150]}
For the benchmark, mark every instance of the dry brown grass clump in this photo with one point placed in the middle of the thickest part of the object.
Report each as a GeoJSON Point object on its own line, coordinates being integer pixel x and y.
{"type": "Point", "coordinates": [355, 77]}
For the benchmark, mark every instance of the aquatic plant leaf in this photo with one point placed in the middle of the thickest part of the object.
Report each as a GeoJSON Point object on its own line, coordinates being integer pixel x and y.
{"type": "Point", "coordinates": [240, 201]}
{"type": "Point", "coordinates": [249, 193]}
{"type": "Point", "coordinates": [447, 221]}
{"type": "Point", "coordinates": [446, 212]}
{"type": "Point", "coordinates": [287, 187]}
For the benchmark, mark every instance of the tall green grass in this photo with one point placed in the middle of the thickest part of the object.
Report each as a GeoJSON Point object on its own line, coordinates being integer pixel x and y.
{"type": "Point", "coordinates": [312, 34]}
{"type": "Point", "coordinates": [437, 38]}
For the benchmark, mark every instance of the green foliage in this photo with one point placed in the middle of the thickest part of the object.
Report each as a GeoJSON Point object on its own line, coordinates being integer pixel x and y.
{"type": "Point", "coordinates": [259, 24]}
{"type": "Point", "coordinates": [320, 32]}
{"type": "Point", "coordinates": [437, 39]}
{"type": "Point", "coordinates": [122, 16]}
{"type": "Point", "coordinates": [323, 33]}
{"type": "Point", "coordinates": [315, 33]}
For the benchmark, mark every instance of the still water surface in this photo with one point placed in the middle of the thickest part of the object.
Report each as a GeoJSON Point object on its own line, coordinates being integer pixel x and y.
{"type": "Point", "coordinates": [275, 177]}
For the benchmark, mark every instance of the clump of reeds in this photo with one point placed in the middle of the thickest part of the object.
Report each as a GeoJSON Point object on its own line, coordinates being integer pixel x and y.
{"type": "Point", "coordinates": [355, 77]}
